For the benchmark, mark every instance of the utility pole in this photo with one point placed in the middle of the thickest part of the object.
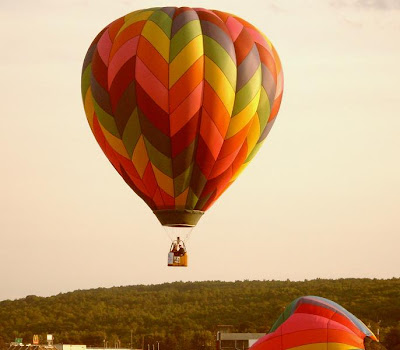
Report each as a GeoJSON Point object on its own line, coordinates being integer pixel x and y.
{"type": "Point", "coordinates": [377, 332]}
{"type": "Point", "coordinates": [131, 339]}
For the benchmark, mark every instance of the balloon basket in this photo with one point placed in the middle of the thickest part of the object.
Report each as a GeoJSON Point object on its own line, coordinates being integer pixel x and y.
{"type": "Point", "coordinates": [177, 261]}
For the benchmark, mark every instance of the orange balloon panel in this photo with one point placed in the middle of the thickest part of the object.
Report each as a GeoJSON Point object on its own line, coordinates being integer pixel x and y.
{"type": "Point", "coordinates": [180, 100]}
{"type": "Point", "coordinates": [315, 323]}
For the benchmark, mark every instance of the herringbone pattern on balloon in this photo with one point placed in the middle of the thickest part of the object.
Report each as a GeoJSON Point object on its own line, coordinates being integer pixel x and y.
{"type": "Point", "coordinates": [180, 100]}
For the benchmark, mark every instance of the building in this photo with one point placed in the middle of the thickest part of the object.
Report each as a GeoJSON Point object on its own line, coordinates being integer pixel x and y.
{"type": "Point", "coordinates": [102, 348]}
{"type": "Point", "coordinates": [18, 345]}
{"type": "Point", "coordinates": [70, 347]}
{"type": "Point", "coordinates": [21, 346]}
{"type": "Point", "coordinates": [236, 341]}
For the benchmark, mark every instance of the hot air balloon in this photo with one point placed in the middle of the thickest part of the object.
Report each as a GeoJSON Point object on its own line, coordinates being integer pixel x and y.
{"type": "Point", "coordinates": [315, 323]}
{"type": "Point", "coordinates": [180, 100]}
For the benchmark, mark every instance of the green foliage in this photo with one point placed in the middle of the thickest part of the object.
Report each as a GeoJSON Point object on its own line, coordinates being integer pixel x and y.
{"type": "Point", "coordinates": [392, 339]}
{"type": "Point", "coordinates": [185, 315]}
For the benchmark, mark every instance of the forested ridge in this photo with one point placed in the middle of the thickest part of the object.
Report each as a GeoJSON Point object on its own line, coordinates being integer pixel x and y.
{"type": "Point", "coordinates": [184, 315]}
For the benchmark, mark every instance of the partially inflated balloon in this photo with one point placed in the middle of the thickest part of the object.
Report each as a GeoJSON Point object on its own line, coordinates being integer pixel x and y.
{"type": "Point", "coordinates": [315, 323]}
{"type": "Point", "coordinates": [180, 100]}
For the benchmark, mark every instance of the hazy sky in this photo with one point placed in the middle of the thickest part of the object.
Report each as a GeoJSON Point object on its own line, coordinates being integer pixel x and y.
{"type": "Point", "coordinates": [321, 199]}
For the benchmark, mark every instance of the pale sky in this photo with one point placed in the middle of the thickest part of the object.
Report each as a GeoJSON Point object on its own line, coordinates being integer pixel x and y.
{"type": "Point", "coordinates": [321, 199]}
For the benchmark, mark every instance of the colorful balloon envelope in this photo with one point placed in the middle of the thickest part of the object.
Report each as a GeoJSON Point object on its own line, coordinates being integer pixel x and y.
{"type": "Point", "coordinates": [180, 100]}
{"type": "Point", "coordinates": [315, 323]}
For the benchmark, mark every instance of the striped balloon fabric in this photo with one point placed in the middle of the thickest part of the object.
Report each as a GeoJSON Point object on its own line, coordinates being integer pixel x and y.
{"type": "Point", "coordinates": [315, 323]}
{"type": "Point", "coordinates": [180, 100]}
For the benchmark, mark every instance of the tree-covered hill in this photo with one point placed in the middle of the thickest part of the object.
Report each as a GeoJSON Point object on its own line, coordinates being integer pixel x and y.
{"type": "Point", "coordinates": [185, 315]}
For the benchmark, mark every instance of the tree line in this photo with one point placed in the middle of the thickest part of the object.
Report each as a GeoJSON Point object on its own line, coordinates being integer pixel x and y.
{"type": "Point", "coordinates": [185, 315]}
